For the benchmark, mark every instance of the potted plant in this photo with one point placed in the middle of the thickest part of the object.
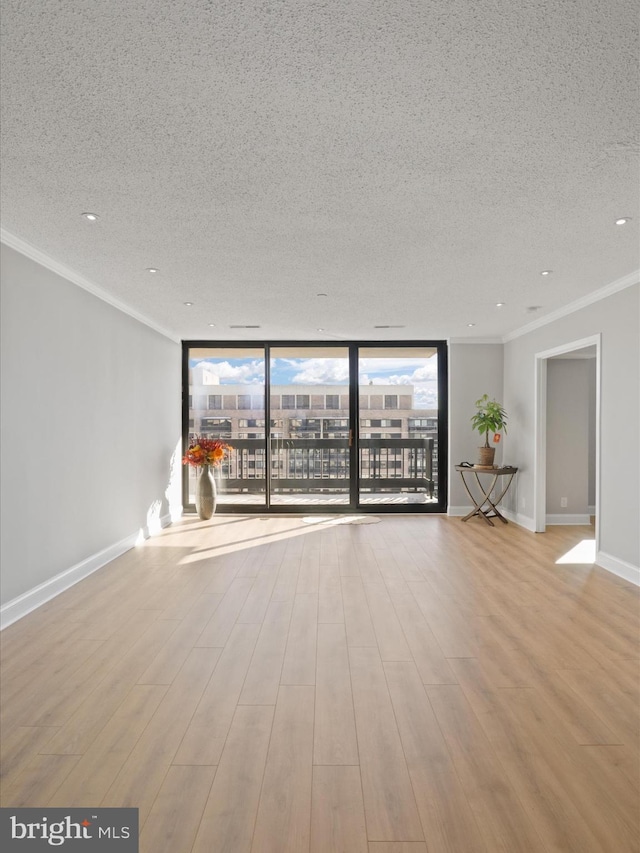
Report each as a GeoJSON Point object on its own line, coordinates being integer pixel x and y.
{"type": "Point", "coordinates": [490, 417]}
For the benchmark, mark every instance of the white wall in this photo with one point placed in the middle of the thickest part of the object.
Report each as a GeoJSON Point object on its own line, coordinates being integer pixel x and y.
{"type": "Point", "coordinates": [567, 438]}
{"type": "Point", "coordinates": [474, 370]}
{"type": "Point", "coordinates": [90, 427]}
{"type": "Point", "coordinates": [617, 319]}
{"type": "Point", "coordinates": [591, 472]}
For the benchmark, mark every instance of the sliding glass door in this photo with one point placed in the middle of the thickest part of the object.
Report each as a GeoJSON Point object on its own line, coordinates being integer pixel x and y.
{"type": "Point", "coordinates": [226, 399]}
{"type": "Point", "coordinates": [310, 426]}
{"type": "Point", "coordinates": [321, 426]}
{"type": "Point", "coordinates": [397, 425]}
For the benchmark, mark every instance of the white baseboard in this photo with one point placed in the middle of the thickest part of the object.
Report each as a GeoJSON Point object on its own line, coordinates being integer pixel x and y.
{"type": "Point", "coordinates": [568, 518]}
{"type": "Point", "coordinates": [618, 567]}
{"type": "Point", "coordinates": [39, 595]}
{"type": "Point", "coordinates": [519, 519]}
{"type": "Point", "coordinates": [458, 510]}
{"type": "Point", "coordinates": [515, 517]}
{"type": "Point", "coordinates": [155, 525]}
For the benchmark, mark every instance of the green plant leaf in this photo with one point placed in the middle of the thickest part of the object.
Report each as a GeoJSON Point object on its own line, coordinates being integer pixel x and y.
{"type": "Point", "coordinates": [490, 417]}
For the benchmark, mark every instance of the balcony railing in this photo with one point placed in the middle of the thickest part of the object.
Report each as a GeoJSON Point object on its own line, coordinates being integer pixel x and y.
{"type": "Point", "coordinates": [312, 464]}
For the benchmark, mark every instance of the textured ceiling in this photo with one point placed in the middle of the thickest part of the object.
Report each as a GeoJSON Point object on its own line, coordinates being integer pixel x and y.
{"type": "Point", "coordinates": [416, 161]}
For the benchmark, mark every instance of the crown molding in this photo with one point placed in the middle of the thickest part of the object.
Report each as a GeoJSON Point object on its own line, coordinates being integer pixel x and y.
{"type": "Point", "coordinates": [35, 254]}
{"type": "Point", "coordinates": [602, 293]}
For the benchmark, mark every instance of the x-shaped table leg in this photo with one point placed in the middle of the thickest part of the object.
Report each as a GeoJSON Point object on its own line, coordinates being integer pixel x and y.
{"type": "Point", "coordinates": [486, 499]}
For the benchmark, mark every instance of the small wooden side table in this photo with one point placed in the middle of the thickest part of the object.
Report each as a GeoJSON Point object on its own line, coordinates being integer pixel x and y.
{"type": "Point", "coordinates": [485, 493]}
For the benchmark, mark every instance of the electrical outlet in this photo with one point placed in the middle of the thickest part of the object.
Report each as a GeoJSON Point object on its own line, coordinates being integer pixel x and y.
{"type": "Point", "coordinates": [563, 502]}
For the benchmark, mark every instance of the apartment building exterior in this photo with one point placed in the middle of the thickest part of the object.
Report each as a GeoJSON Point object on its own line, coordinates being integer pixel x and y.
{"type": "Point", "coordinates": [310, 435]}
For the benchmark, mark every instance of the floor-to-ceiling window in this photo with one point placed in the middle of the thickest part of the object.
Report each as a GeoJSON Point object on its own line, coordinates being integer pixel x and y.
{"type": "Point", "coordinates": [321, 426]}
{"type": "Point", "coordinates": [226, 400]}
{"type": "Point", "coordinates": [398, 424]}
{"type": "Point", "coordinates": [310, 425]}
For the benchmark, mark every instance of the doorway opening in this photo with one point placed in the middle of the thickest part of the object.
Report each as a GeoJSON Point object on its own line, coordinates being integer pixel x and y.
{"type": "Point", "coordinates": [567, 460]}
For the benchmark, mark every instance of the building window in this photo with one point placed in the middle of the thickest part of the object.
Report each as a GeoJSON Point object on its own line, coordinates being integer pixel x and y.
{"type": "Point", "coordinates": [391, 401]}
{"type": "Point", "coordinates": [244, 401]}
{"type": "Point", "coordinates": [423, 423]}
{"type": "Point", "coordinates": [332, 401]}
{"type": "Point", "coordinates": [215, 401]}
{"type": "Point", "coordinates": [302, 401]}
{"type": "Point", "coordinates": [335, 428]}
{"type": "Point", "coordinates": [216, 427]}
{"type": "Point", "coordinates": [288, 401]}
{"type": "Point", "coordinates": [304, 426]}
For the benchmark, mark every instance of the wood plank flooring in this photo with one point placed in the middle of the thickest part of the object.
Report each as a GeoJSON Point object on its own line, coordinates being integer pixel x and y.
{"type": "Point", "coordinates": [267, 685]}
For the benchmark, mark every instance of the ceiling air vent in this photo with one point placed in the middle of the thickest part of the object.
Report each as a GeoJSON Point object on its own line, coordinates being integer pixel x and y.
{"type": "Point", "coordinates": [388, 327]}
{"type": "Point", "coordinates": [244, 327]}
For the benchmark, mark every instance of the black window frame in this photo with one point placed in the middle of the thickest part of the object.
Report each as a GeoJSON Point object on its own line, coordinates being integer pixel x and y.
{"type": "Point", "coordinates": [441, 458]}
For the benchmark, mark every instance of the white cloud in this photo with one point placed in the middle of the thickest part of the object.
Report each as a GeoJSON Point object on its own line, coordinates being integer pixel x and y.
{"type": "Point", "coordinates": [429, 370]}
{"type": "Point", "coordinates": [426, 398]}
{"type": "Point", "coordinates": [378, 365]}
{"type": "Point", "coordinates": [322, 371]}
{"type": "Point", "coordinates": [251, 372]}
{"type": "Point", "coordinates": [424, 373]}
{"type": "Point", "coordinates": [421, 375]}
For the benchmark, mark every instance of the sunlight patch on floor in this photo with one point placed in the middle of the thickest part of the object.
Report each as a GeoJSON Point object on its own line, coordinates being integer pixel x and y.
{"type": "Point", "coordinates": [583, 553]}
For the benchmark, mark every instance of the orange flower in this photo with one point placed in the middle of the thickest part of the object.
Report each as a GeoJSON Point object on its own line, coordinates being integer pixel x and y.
{"type": "Point", "coordinates": [205, 451]}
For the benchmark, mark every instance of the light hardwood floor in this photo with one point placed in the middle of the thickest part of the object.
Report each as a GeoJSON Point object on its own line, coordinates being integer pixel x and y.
{"type": "Point", "coordinates": [266, 685]}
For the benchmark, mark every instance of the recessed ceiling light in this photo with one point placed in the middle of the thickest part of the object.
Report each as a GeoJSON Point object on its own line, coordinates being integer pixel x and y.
{"type": "Point", "coordinates": [623, 220]}
{"type": "Point", "coordinates": [188, 304]}
{"type": "Point", "coordinates": [92, 217]}
{"type": "Point", "coordinates": [321, 330]}
{"type": "Point", "coordinates": [500, 304]}
{"type": "Point", "coordinates": [151, 269]}
{"type": "Point", "coordinates": [546, 272]}
{"type": "Point", "coordinates": [212, 325]}
{"type": "Point", "coordinates": [470, 324]}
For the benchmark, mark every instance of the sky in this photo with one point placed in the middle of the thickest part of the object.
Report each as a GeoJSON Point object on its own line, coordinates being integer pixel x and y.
{"type": "Point", "coordinates": [421, 373]}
